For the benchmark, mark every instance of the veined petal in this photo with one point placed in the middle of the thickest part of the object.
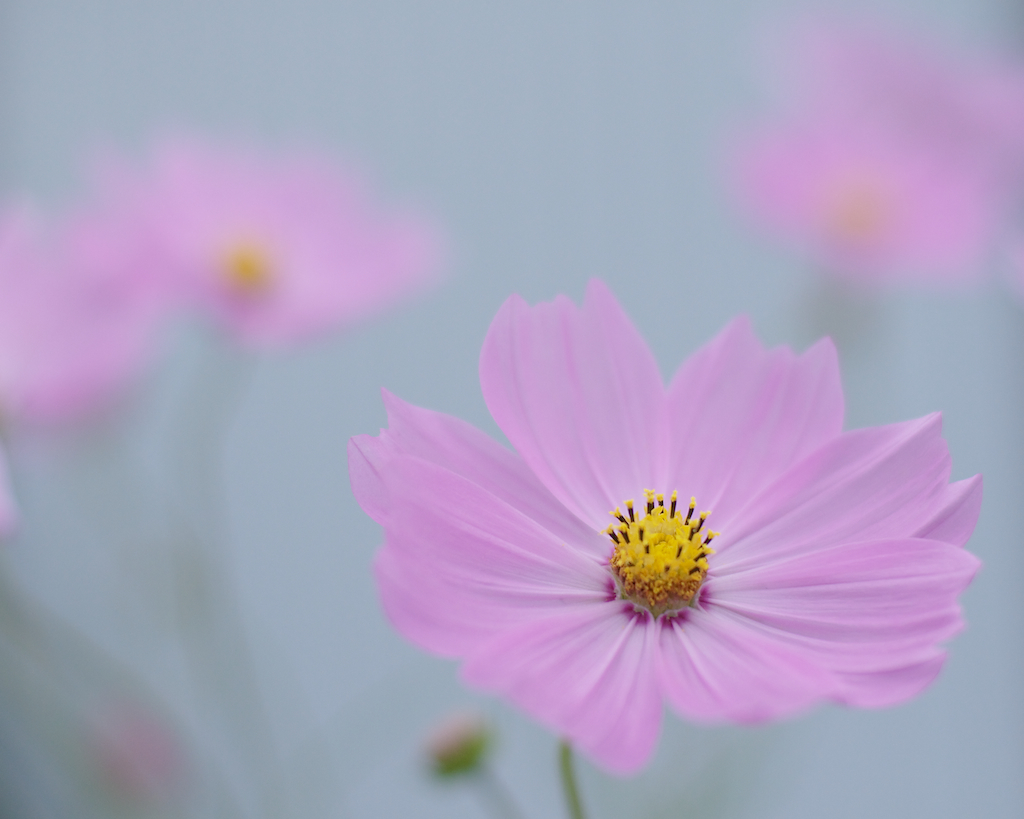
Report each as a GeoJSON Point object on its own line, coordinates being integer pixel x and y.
{"type": "Point", "coordinates": [957, 513]}
{"type": "Point", "coordinates": [881, 482]}
{"type": "Point", "coordinates": [712, 668]}
{"type": "Point", "coordinates": [455, 552]}
{"type": "Point", "coordinates": [870, 612]}
{"type": "Point", "coordinates": [463, 449]}
{"type": "Point", "coordinates": [447, 615]}
{"type": "Point", "coordinates": [589, 675]}
{"type": "Point", "coordinates": [579, 395]}
{"type": "Point", "coordinates": [740, 415]}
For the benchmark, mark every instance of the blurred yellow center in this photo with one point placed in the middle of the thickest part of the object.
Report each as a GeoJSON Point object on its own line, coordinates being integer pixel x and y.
{"type": "Point", "coordinates": [247, 269]}
{"type": "Point", "coordinates": [858, 211]}
{"type": "Point", "coordinates": [660, 559]}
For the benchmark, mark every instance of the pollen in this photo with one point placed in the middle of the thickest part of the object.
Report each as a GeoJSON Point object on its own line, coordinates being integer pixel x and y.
{"type": "Point", "coordinates": [661, 553]}
{"type": "Point", "coordinates": [247, 269]}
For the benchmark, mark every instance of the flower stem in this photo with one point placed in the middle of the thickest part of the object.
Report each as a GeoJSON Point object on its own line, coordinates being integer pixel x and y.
{"type": "Point", "coordinates": [572, 792]}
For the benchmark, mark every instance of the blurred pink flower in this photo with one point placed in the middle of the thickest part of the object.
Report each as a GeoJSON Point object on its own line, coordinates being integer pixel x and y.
{"type": "Point", "coordinates": [834, 575]}
{"type": "Point", "coordinates": [73, 329]}
{"type": "Point", "coordinates": [869, 205]}
{"type": "Point", "coordinates": [864, 72]}
{"type": "Point", "coordinates": [893, 162]}
{"type": "Point", "coordinates": [275, 249]}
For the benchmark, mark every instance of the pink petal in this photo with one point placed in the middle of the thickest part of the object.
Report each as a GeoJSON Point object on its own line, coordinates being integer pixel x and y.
{"type": "Point", "coordinates": [957, 515]}
{"type": "Point", "coordinates": [466, 451]}
{"type": "Point", "coordinates": [579, 395]}
{"type": "Point", "coordinates": [589, 675]}
{"type": "Point", "coordinates": [881, 482]}
{"type": "Point", "coordinates": [741, 415]}
{"type": "Point", "coordinates": [883, 688]}
{"type": "Point", "coordinates": [713, 668]}
{"type": "Point", "coordinates": [867, 611]}
{"type": "Point", "coordinates": [460, 564]}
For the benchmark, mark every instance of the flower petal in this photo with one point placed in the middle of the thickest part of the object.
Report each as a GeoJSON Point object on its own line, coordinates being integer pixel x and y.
{"type": "Point", "coordinates": [588, 674]}
{"type": "Point", "coordinates": [957, 515]}
{"type": "Point", "coordinates": [881, 482]}
{"type": "Point", "coordinates": [579, 395]}
{"type": "Point", "coordinates": [460, 564]}
{"type": "Point", "coordinates": [713, 668]}
{"type": "Point", "coordinates": [872, 612]}
{"type": "Point", "coordinates": [461, 448]}
{"type": "Point", "coordinates": [741, 415]}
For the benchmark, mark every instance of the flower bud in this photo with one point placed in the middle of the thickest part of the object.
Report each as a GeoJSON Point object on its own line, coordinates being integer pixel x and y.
{"type": "Point", "coordinates": [458, 744]}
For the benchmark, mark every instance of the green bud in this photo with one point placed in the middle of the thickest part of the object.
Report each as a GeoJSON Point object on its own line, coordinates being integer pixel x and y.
{"type": "Point", "coordinates": [459, 744]}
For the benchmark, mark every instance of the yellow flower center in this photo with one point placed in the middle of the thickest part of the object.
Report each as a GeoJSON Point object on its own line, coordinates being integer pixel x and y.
{"type": "Point", "coordinates": [247, 269]}
{"type": "Point", "coordinates": [858, 210]}
{"type": "Point", "coordinates": [660, 559]}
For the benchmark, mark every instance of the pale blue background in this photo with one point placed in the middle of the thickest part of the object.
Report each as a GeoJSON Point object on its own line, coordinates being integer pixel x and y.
{"type": "Point", "coordinates": [557, 141]}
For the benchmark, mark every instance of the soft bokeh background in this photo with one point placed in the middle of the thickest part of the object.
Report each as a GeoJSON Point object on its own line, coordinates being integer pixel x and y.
{"type": "Point", "coordinates": [557, 141]}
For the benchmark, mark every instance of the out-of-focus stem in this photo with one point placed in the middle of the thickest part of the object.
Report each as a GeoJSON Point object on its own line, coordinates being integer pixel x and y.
{"type": "Point", "coordinates": [216, 641]}
{"type": "Point", "coordinates": [572, 791]}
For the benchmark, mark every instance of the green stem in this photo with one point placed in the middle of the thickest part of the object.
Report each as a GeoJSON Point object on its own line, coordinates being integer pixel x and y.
{"type": "Point", "coordinates": [572, 791]}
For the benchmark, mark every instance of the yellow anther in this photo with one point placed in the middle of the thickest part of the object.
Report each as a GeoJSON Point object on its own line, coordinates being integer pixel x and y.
{"type": "Point", "coordinates": [858, 210]}
{"type": "Point", "coordinates": [659, 562]}
{"type": "Point", "coordinates": [247, 268]}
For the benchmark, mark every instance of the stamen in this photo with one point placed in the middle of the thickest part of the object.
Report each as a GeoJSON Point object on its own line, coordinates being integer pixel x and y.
{"type": "Point", "coordinates": [665, 575]}
{"type": "Point", "coordinates": [247, 269]}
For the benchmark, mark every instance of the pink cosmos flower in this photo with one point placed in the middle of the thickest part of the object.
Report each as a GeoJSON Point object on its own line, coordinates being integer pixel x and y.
{"type": "Point", "coordinates": [575, 576]}
{"type": "Point", "coordinates": [274, 249]}
{"type": "Point", "coordinates": [895, 162]}
{"type": "Point", "coordinates": [969, 103]}
{"type": "Point", "coordinates": [870, 205]}
{"type": "Point", "coordinates": [73, 328]}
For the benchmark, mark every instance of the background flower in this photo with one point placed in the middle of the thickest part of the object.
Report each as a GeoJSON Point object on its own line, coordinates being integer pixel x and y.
{"type": "Point", "coordinates": [969, 103]}
{"type": "Point", "coordinates": [890, 161]}
{"type": "Point", "coordinates": [73, 328]}
{"type": "Point", "coordinates": [871, 205]}
{"type": "Point", "coordinates": [274, 248]}
{"type": "Point", "coordinates": [838, 561]}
